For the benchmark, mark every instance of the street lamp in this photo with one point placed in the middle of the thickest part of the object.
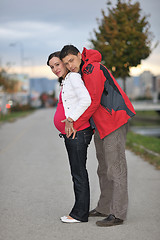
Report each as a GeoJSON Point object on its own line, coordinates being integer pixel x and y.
{"type": "Point", "coordinates": [21, 52]}
{"type": "Point", "coordinates": [30, 62]}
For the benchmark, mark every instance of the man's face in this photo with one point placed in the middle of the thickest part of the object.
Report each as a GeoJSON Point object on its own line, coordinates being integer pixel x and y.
{"type": "Point", "coordinates": [73, 62]}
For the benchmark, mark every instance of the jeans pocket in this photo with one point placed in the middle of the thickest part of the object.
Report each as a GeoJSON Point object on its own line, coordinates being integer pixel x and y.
{"type": "Point", "coordinates": [87, 138]}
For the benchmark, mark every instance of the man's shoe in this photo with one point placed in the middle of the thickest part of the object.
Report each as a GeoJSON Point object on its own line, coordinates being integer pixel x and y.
{"type": "Point", "coordinates": [111, 220]}
{"type": "Point", "coordinates": [94, 213]}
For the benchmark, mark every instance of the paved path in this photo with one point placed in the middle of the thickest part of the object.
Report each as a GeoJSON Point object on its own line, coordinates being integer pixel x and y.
{"type": "Point", "coordinates": [36, 188]}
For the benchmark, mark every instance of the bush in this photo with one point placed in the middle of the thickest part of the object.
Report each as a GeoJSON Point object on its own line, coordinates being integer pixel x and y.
{"type": "Point", "coordinates": [21, 108]}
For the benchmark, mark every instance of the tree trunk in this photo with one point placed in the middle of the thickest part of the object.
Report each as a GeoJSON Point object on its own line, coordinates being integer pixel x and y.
{"type": "Point", "coordinates": [124, 84]}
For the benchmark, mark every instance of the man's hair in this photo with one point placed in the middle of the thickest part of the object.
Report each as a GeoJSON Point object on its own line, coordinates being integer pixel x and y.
{"type": "Point", "coordinates": [68, 49]}
{"type": "Point", "coordinates": [55, 54]}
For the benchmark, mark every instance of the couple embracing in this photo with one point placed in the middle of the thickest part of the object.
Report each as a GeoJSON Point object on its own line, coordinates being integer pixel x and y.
{"type": "Point", "coordinates": [92, 103]}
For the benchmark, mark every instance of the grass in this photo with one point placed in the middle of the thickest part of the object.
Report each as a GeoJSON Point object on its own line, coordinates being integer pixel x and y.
{"type": "Point", "coordinates": [146, 118]}
{"type": "Point", "coordinates": [147, 147]}
{"type": "Point", "coordinates": [12, 116]}
{"type": "Point", "coordinates": [147, 113]}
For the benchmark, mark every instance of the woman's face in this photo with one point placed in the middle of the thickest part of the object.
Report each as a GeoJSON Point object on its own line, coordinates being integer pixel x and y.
{"type": "Point", "coordinates": [57, 67]}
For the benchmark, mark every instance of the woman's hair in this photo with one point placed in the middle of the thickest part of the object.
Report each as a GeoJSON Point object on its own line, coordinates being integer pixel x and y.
{"type": "Point", "coordinates": [55, 54]}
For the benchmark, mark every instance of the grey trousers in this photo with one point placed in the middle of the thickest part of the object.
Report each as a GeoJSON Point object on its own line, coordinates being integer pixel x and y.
{"type": "Point", "coordinates": [112, 172]}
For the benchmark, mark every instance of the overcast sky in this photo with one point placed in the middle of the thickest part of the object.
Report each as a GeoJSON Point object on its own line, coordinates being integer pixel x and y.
{"type": "Point", "coordinates": [32, 29]}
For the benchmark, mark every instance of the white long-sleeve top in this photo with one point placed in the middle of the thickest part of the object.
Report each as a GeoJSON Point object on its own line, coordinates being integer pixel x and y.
{"type": "Point", "coordinates": [75, 96]}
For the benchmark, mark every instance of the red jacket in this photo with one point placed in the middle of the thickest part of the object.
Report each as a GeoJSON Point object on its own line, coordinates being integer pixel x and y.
{"type": "Point", "coordinates": [110, 107]}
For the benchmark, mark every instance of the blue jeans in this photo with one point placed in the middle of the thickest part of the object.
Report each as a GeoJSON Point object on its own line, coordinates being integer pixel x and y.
{"type": "Point", "coordinates": [77, 154]}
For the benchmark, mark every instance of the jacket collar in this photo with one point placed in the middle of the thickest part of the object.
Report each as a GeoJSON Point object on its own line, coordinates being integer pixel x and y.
{"type": "Point", "coordinates": [82, 63]}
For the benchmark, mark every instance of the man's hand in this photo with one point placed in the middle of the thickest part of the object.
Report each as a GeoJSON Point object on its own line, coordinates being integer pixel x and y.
{"type": "Point", "coordinates": [69, 129]}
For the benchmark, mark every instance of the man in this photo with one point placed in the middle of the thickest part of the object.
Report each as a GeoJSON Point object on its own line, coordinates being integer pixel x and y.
{"type": "Point", "coordinates": [109, 112]}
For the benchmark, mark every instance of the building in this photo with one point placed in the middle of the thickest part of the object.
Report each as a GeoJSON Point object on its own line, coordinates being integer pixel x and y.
{"type": "Point", "coordinates": [146, 84]}
{"type": "Point", "coordinates": [156, 89]}
{"type": "Point", "coordinates": [41, 85]}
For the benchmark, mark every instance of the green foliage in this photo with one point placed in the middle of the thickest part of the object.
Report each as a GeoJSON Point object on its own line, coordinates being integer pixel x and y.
{"type": "Point", "coordinates": [147, 114]}
{"type": "Point", "coordinates": [21, 108]}
{"type": "Point", "coordinates": [146, 118]}
{"type": "Point", "coordinates": [123, 37]}
{"type": "Point", "coordinates": [8, 85]}
{"type": "Point", "coordinates": [12, 116]}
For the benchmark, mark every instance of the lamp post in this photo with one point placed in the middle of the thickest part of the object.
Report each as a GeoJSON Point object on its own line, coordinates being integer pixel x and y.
{"type": "Point", "coordinates": [30, 63]}
{"type": "Point", "coordinates": [21, 52]}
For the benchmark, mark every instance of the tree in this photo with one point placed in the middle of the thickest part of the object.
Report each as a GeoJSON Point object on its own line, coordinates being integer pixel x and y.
{"type": "Point", "coordinates": [8, 85]}
{"type": "Point", "coordinates": [123, 38]}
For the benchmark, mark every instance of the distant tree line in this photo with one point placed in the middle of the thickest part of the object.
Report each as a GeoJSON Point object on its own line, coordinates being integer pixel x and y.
{"type": "Point", "coordinates": [7, 84]}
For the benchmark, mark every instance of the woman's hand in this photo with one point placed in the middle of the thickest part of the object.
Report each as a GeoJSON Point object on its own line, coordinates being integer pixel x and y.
{"type": "Point", "coordinates": [69, 129]}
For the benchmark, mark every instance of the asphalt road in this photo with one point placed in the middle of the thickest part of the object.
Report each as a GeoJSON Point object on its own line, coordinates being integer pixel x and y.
{"type": "Point", "coordinates": [36, 188]}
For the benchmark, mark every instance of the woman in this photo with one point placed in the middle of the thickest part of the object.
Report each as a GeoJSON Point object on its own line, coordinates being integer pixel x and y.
{"type": "Point", "coordinates": [74, 99]}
